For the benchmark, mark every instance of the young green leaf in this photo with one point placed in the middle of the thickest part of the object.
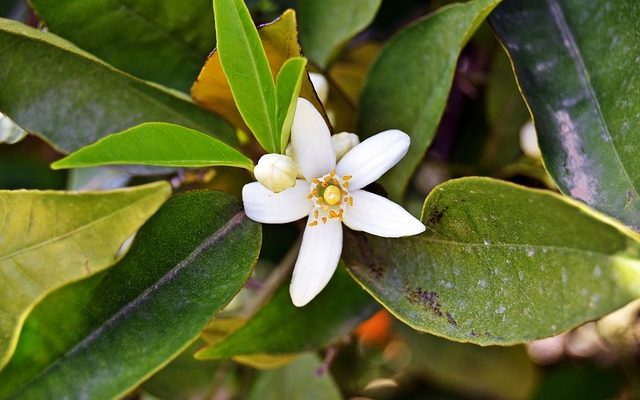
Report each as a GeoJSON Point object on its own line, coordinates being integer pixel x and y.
{"type": "Point", "coordinates": [156, 143]}
{"type": "Point", "coordinates": [50, 239]}
{"type": "Point", "coordinates": [575, 71]}
{"type": "Point", "coordinates": [500, 264]}
{"type": "Point", "coordinates": [280, 41]}
{"type": "Point", "coordinates": [409, 83]}
{"type": "Point", "coordinates": [288, 85]}
{"type": "Point", "coordinates": [245, 65]}
{"type": "Point", "coordinates": [325, 26]}
{"type": "Point", "coordinates": [82, 99]}
{"type": "Point", "coordinates": [162, 41]}
{"type": "Point", "coordinates": [185, 264]}
{"type": "Point", "coordinates": [282, 328]}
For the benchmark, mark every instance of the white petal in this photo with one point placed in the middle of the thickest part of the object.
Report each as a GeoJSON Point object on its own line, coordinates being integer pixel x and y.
{"type": "Point", "coordinates": [373, 157]}
{"type": "Point", "coordinates": [317, 261]}
{"type": "Point", "coordinates": [262, 205]}
{"type": "Point", "coordinates": [379, 216]}
{"type": "Point", "coordinates": [311, 141]}
{"type": "Point", "coordinates": [320, 85]}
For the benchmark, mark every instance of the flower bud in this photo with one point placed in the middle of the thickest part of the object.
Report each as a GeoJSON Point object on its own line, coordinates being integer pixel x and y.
{"type": "Point", "coordinates": [276, 172]}
{"type": "Point", "coordinates": [343, 142]}
{"type": "Point", "coordinates": [320, 85]}
{"type": "Point", "coordinates": [529, 141]}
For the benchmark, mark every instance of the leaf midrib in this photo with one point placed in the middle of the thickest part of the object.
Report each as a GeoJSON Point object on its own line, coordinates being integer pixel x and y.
{"type": "Point", "coordinates": [570, 44]}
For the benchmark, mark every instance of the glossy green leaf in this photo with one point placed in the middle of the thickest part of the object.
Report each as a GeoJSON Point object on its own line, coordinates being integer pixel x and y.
{"type": "Point", "coordinates": [156, 143]}
{"type": "Point", "coordinates": [326, 26]}
{"type": "Point", "coordinates": [100, 337]}
{"type": "Point", "coordinates": [576, 70]}
{"type": "Point", "coordinates": [164, 41]}
{"type": "Point", "coordinates": [49, 239]}
{"type": "Point", "coordinates": [493, 372]}
{"type": "Point", "coordinates": [71, 99]}
{"type": "Point", "coordinates": [408, 85]}
{"type": "Point", "coordinates": [500, 264]}
{"type": "Point", "coordinates": [296, 381]}
{"type": "Point", "coordinates": [282, 328]}
{"type": "Point", "coordinates": [246, 68]}
{"type": "Point", "coordinates": [288, 85]}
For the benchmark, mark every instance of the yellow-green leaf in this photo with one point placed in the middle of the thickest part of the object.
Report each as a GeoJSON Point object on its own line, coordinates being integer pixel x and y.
{"type": "Point", "coordinates": [49, 239]}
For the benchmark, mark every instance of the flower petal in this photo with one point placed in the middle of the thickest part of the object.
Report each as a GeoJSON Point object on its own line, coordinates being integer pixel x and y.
{"type": "Point", "coordinates": [317, 261]}
{"type": "Point", "coordinates": [262, 205]}
{"type": "Point", "coordinates": [379, 216]}
{"type": "Point", "coordinates": [373, 157]}
{"type": "Point", "coordinates": [311, 141]}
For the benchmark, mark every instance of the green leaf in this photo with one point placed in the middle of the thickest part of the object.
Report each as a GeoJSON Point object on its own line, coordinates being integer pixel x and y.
{"type": "Point", "coordinates": [288, 85]}
{"type": "Point", "coordinates": [282, 328]}
{"type": "Point", "coordinates": [49, 239]}
{"type": "Point", "coordinates": [184, 378]}
{"type": "Point", "coordinates": [493, 372]}
{"type": "Point", "coordinates": [78, 99]}
{"type": "Point", "coordinates": [500, 264]}
{"type": "Point", "coordinates": [296, 381]}
{"type": "Point", "coordinates": [245, 65]}
{"type": "Point", "coordinates": [408, 85]}
{"type": "Point", "coordinates": [280, 42]}
{"type": "Point", "coordinates": [156, 143]}
{"type": "Point", "coordinates": [574, 68]}
{"type": "Point", "coordinates": [185, 264]}
{"type": "Point", "coordinates": [163, 41]}
{"type": "Point", "coordinates": [326, 26]}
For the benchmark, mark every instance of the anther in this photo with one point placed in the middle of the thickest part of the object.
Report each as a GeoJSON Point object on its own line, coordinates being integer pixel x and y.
{"type": "Point", "coordinates": [313, 223]}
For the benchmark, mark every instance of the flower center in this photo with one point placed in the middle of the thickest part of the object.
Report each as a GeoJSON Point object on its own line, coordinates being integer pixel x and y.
{"type": "Point", "coordinates": [329, 196]}
{"type": "Point", "coordinates": [332, 195]}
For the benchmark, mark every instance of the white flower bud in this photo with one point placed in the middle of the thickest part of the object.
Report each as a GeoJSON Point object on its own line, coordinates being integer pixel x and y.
{"type": "Point", "coordinates": [343, 142]}
{"type": "Point", "coordinates": [10, 132]}
{"type": "Point", "coordinates": [289, 151]}
{"type": "Point", "coordinates": [276, 172]}
{"type": "Point", "coordinates": [321, 86]}
{"type": "Point", "coordinates": [529, 141]}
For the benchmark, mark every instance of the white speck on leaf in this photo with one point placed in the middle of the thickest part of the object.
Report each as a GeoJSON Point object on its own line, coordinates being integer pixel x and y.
{"type": "Point", "coordinates": [482, 283]}
{"type": "Point", "coordinates": [501, 309]}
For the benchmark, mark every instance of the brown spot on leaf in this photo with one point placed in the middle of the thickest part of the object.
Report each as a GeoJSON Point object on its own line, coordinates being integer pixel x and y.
{"type": "Point", "coordinates": [435, 215]}
{"type": "Point", "coordinates": [451, 320]}
{"type": "Point", "coordinates": [426, 299]}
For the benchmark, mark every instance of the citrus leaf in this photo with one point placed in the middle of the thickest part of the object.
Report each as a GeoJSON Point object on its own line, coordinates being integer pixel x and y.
{"type": "Point", "coordinates": [325, 26]}
{"type": "Point", "coordinates": [280, 41]}
{"type": "Point", "coordinates": [282, 328]}
{"type": "Point", "coordinates": [78, 99]}
{"type": "Point", "coordinates": [500, 264]}
{"type": "Point", "coordinates": [49, 239]}
{"type": "Point", "coordinates": [296, 381]}
{"type": "Point", "coordinates": [246, 68]}
{"type": "Point", "coordinates": [583, 104]}
{"type": "Point", "coordinates": [159, 40]}
{"type": "Point", "coordinates": [186, 263]}
{"type": "Point", "coordinates": [156, 143]}
{"type": "Point", "coordinates": [408, 85]}
{"type": "Point", "coordinates": [288, 85]}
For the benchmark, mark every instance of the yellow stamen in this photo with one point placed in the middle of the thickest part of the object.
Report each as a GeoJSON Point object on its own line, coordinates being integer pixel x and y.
{"type": "Point", "coordinates": [351, 201]}
{"type": "Point", "coordinates": [332, 195]}
{"type": "Point", "coordinates": [324, 220]}
{"type": "Point", "coordinates": [313, 223]}
{"type": "Point", "coordinates": [346, 177]}
{"type": "Point", "coordinates": [315, 214]}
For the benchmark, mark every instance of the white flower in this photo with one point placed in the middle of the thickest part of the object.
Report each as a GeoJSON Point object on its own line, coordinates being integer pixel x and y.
{"type": "Point", "coordinates": [276, 172]}
{"type": "Point", "coordinates": [329, 195]}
